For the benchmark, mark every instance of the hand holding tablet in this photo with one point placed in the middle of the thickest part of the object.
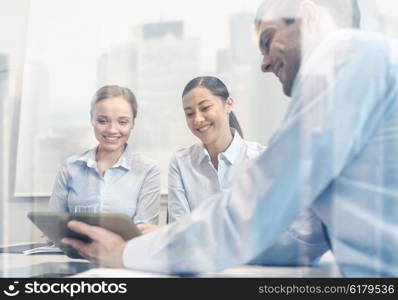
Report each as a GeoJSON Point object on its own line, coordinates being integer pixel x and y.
{"type": "Point", "coordinates": [54, 225]}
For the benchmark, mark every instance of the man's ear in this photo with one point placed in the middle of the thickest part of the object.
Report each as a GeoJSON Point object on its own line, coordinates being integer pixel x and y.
{"type": "Point", "coordinates": [316, 21]}
{"type": "Point", "coordinates": [308, 13]}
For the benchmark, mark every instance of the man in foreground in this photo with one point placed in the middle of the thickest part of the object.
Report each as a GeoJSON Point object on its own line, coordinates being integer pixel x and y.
{"type": "Point", "coordinates": [335, 155]}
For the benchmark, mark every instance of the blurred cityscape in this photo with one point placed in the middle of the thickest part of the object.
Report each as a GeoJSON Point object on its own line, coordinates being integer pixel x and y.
{"type": "Point", "coordinates": [156, 64]}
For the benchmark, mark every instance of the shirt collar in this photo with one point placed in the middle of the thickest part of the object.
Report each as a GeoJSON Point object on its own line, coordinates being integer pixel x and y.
{"type": "Point", "coordinates": [231, 153]}
{"type": "Point", "coordinates": [124, 161]}
{"type": "Point", "coordinates": [88, 157]}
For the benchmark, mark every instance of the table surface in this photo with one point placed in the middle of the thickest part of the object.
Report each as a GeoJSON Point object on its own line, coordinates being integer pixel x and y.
{"type": "Point", "coordinates": [56, 265]}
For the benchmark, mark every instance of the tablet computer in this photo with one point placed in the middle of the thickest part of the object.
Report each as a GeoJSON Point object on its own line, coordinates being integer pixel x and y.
{"type": "Point", "coordinates": [54, 226]}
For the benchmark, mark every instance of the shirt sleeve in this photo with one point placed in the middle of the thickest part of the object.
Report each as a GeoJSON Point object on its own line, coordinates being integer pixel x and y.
{"type": "Point", "coordinates": [331, 119]}
{"type": "Point", "coordinates": [177, 202]}
{"type": "Point", "coordinates": [148, 206]}
{"type": "Point", "coordinates": [302, 244]}
{"type": "Point", "coordinates": [59, 196]}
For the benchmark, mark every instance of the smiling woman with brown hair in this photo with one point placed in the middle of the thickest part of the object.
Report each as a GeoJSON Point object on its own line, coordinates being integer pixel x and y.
{"type": "Point", "coordinates": [110, 177]}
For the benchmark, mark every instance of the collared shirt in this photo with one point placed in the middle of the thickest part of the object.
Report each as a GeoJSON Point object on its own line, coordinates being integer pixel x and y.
{"type": "Point", "coordinates": [193, 178]}
{"type": "Point", "coordinates": [335, 153]}
{"type": "Point", "coordinates": [131, 186]}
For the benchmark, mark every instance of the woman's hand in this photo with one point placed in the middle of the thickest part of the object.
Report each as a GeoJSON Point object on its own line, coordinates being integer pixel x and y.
{"type": "Point", "coordinates": [147, 228]}
{"type": "Point", "coordinates": [106, 248]}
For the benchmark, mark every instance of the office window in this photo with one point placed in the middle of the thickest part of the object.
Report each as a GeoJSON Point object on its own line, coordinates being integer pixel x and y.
{"type": "Point", "coordinates": [153, 47]}
{"type": "Point", "coordinates": [71, 48]}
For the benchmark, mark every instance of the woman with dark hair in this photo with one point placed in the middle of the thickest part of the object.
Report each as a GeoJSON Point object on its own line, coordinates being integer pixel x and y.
{"type": "Point", "coordinates": [110, 177]}
{"type": "Point", "coordinates": [204, 169]}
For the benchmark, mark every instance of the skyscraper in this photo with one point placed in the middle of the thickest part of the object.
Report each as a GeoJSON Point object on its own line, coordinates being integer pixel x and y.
{"type": "Point", "coordinates": [119, 66]}
{"type": "Point", "coordinates": [167, 61]}
{"type": "Point", "coordinates": [33, 122]}
{"type": "Point", "coordinates": [242, 38]}
{"type": "Point", "coordinates": [254, 93]}
{"type": "Point", "coordinates": [156, 31]}
{"type": "Point", "coordinates": [156, 64]}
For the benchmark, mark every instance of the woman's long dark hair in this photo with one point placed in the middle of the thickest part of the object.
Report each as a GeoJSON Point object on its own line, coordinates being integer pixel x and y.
{"type": "Point", "coordinates": [217, 88]}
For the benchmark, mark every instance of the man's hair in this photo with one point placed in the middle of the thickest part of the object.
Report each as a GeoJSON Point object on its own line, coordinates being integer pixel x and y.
{"type": "Point", "coordinates": [345, 13]}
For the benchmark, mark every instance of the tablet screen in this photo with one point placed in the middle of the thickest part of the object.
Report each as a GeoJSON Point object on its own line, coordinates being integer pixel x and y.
{"type": "Point", "coordinates": [54, 226]}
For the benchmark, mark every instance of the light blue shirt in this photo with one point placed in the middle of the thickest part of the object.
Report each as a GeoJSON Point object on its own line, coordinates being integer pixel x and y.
{"type": "Point", "coordinates": [336, 154]}
{"type": "Point", "coordinates": [193, 178]}
{"type": "Point", "coordinates": [131, 186]}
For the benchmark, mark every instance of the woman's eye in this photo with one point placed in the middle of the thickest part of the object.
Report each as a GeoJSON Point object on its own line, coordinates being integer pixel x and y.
{"type": "Point", "coordinates": [124, 122]}
{"type": "Point", "coordinates": [101, 121]}
{"type": "Point", "coordinates": [206, 108]}
{"type": "Point", "coordinates": [188, 115]}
